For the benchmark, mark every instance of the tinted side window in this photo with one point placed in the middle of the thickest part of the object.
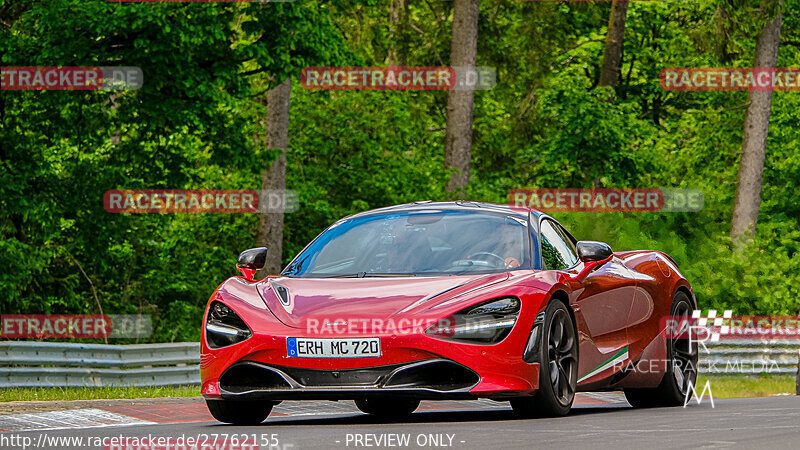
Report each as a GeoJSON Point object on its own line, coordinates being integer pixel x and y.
{"type": "Point", "coordinates": [557, 251]}
{"type": "Point", "coordinates": [570, 243]}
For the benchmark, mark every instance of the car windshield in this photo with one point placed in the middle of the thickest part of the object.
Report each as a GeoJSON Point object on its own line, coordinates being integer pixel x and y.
{"type": "Point", "coordinates": [418, 243]}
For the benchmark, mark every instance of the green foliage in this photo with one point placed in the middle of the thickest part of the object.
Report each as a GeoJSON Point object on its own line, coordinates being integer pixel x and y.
{"type": "Point", "coordinates": [352, 151]}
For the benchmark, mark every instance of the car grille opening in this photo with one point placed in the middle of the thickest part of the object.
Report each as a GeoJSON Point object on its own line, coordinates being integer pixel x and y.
{"type": "Point", "coordinates": [359, 377]}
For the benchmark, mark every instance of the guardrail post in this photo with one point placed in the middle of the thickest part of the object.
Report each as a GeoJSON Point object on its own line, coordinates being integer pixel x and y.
{"type": "Point", "coordinates": [797, 381]}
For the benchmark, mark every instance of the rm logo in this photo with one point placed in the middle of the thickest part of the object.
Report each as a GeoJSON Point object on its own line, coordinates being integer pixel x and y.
{"type": "Point", "coordinates": [699, 399]}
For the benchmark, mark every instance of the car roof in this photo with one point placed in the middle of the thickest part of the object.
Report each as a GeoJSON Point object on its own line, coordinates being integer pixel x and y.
{"type": "Point", "coordinates": [428, 205]}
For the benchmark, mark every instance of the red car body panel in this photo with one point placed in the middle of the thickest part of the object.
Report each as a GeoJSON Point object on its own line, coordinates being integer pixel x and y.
{"type": "Point", "coordinates": [619, 304]}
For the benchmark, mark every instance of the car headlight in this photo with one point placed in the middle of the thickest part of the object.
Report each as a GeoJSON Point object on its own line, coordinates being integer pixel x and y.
{"type": "Point", "coordinates": [224, 327]}
{"type": "Point", "coordinates": [485, 323]}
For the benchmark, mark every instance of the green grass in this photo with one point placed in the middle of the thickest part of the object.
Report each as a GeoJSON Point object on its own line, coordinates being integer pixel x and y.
{"type": "Point", "coordinates": [733, 386]}
{"type": "Point", "coordinates": [66, 394]}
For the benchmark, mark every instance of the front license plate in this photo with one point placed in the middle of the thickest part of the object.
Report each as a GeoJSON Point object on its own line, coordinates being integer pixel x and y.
{"type": "Point", "coordinates": [333, 348]}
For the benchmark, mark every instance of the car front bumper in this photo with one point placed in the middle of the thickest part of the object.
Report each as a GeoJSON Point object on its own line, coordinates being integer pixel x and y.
{"type": "Point", "coordinates": [410, 366]}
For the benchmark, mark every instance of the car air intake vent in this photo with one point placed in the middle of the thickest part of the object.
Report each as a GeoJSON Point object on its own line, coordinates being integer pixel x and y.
{"type": "Point", "coordinates": [432, 376]}
{"type": "Point", "coordinates": [438, 375]}
{"type": "Point", "coordinates": [282, 293]}
{"type": "Point", "coordinates": [248, 376]}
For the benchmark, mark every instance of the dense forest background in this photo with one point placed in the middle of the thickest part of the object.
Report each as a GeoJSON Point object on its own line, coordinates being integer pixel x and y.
{"type": "Point", "coordinates": [200, 121]}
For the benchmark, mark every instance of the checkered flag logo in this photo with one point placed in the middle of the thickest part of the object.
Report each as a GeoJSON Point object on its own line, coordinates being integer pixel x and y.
{"type": "Point", "coordinates": [715, 321]}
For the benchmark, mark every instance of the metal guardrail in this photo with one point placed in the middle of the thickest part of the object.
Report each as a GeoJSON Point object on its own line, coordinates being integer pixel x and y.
{"type": "Point", "coordinates": [749, 356]}
{"type": "Point", "coordinates": [51, 364]}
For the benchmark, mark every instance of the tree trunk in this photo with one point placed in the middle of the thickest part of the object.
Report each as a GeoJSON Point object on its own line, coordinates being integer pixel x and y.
{"type": "Point", "coordinates": [754, 141]}
{"type": "Point", "coordinates": [274, 178]}
{"type": "Point", "coordinates": [612, 55]}
{"type": "Point", "coordinates": [458, 137]}
{"type": "Point", "coordinates": [397, 15]}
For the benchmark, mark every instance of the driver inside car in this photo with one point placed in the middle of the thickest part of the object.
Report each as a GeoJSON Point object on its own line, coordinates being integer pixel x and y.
{"type": "Point", "coordinates": [503, 248]}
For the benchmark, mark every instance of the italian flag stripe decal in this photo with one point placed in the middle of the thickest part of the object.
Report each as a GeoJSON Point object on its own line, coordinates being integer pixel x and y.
{"type": "Point", "coordinates": [618, 358]}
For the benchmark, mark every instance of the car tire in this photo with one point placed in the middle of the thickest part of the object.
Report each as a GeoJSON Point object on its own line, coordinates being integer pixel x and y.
{"type": "Point", "coordinates": [674, 387]}
{"type": "Point", "coordinates": [238, 412]}
{"type": "Point", "coordinates": [558, 367]}
{"type": "Point", "coordinates": [387, 407]}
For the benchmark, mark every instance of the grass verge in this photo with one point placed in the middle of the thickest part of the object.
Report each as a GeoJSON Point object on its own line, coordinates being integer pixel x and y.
{"type": "Point", "coordinates": [67, 394]}
{"type": "Point", "coordinates": [737, 386]}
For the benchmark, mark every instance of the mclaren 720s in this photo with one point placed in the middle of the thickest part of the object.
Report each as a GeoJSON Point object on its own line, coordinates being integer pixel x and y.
{"type": "Point", "coordinates": [451, 300]}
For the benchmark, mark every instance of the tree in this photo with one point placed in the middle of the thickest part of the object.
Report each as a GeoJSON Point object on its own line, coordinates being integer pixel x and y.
{"type": "Point", "coordinates": [754, 141]}
{"type": "Point", "coordinates": [458, 138]}
{"type": "Point", "coordinates": [398, 14]}
{"type": "Point", "coordinates": [612, 56]}
{"type": "Point", "coordinates": [273, 179]}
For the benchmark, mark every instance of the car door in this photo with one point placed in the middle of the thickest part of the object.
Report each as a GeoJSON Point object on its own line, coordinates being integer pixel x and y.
{"type": "Point", "coordinates": [601, 300]}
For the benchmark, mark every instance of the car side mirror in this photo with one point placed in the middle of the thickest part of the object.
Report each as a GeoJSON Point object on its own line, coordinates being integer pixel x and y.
{"type": "Point", "coordinates": [251, 260]}
{"type": "Point", "coordinates": [593, 251]}
{"type": "Point", "coordinates": [593, 254]}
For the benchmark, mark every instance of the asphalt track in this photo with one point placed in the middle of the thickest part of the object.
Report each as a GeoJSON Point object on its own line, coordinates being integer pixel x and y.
{"type": "Point", "coordinates": [761, 423]}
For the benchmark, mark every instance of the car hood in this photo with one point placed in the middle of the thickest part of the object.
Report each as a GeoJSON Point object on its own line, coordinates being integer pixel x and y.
{"type": "Point", "coordinates": [358, 302]}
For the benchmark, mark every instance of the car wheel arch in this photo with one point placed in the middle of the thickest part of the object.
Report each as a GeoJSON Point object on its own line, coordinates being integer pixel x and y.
{"type": "Point", "coordinates": [685, 289]}
{"type": "Point", "coordinates": [560, 295]}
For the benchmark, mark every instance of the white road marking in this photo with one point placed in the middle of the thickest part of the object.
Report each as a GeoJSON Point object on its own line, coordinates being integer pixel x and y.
{"type": "Point", "coordinates": [73, 418]}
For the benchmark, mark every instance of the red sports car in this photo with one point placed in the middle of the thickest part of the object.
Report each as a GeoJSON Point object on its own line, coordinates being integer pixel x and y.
{"type": "Point", "coordinates": [455, 300]}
